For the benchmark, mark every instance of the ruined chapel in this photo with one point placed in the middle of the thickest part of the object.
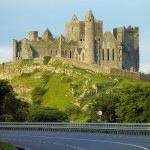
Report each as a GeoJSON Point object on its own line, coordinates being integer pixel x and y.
{"type": "Point", "coordinates": [84, 42]}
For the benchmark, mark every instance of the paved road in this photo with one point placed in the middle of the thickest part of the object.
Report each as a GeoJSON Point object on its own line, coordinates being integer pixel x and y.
{"type": "Point", "coordinates": [36, 140]}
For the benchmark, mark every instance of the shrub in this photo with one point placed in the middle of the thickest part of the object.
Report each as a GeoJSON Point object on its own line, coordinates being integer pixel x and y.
{"type": "Point", "coordinates": [46, 60]}
{"type": "Point", "coordinates": [66, 79]}
{"type": "Point", "coordinates": [25, 75]}
{"type": "Point", "coordinates": [45, 114]}
{"type": "Point", "coordinates": [37, 94]}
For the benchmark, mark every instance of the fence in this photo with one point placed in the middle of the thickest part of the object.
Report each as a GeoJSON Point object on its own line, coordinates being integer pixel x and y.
{"type": "Point", "coordinates": [115, 128]}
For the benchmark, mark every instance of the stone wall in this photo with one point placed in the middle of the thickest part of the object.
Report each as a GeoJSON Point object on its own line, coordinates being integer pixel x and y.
{"type": "Point", "coordinates": [125, 73]}
{"type": "Point", "coordinates": [70, 62]}
{"type": "Point", "coordinates": [103, 70]}
{"type": "Point", "coordinates": [12, 69]}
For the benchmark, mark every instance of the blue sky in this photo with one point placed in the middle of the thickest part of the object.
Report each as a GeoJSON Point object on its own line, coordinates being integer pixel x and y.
{"type": "Point", "coordinates": [18, 17]}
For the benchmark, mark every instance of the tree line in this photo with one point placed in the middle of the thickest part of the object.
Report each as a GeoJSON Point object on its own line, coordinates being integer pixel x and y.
{"type": "Point", "coordinates": [130, 103]}
{"type": "Point", "coordinates": [12, 109]}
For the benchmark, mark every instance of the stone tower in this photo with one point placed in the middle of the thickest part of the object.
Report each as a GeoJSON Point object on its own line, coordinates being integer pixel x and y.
{"type": "Point", "coordinates": [89, 38]}
{"type": "Point", "coordinates": [14, 50]}
{"type": "Point", "coordinates": [128, 38]}
{"type": "Point", "coordinates": [33, 35]}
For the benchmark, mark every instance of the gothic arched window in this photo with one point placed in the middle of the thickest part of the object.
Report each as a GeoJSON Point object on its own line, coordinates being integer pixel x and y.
{"type": "Point", "coordinates": [70, 54]}
{"type": "Point", "coordinates": [113, 54]}
{"type": "Point", "coordinates": [102, 54]}
{"type": "Point", "coordinates": [108, 54]}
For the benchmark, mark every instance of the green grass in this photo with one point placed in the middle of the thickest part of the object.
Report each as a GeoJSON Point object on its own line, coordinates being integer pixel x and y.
{"type": "Point", "coordinates": [6, 146]}
{"type": "Point", "coordinates": [57, 94]}
{"type": "Point", "coordinates": [29, 79]}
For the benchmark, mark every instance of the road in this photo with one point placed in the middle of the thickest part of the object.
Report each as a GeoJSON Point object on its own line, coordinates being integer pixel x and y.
{"type": "Point", "coordinates": [39, 140]}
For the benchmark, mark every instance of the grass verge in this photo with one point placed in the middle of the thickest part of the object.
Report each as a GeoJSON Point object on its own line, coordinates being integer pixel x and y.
{"type": "Point", "coordinates": [6, 146]}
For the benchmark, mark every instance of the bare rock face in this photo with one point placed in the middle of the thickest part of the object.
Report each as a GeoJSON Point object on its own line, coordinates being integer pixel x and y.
{"type": "Point", "coordinates": [23, 92]}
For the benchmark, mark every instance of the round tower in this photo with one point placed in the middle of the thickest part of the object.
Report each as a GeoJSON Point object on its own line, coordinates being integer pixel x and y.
{"type": "Point", "coordinates": [89, 38]}
{"type": "Point", "coordinates": [15, 50]}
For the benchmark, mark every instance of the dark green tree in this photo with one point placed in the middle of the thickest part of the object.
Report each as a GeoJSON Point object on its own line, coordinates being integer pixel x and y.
{"type": "Point", "coordinates": [5, 88]}
{"type": "Point", "coordinates": [37, 94]}
{"type": "Point", "coordinates": [45, 114]}
{"type": "Point", "coordinates": [9, 104]}
{"type": "Point", "coordinates": [134, 104]}
{"type": "Point", "coordinates": [107, 104]}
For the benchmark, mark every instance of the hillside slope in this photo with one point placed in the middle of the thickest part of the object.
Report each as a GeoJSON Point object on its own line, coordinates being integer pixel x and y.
{"type": "Point", "coordinates": [66, 86]}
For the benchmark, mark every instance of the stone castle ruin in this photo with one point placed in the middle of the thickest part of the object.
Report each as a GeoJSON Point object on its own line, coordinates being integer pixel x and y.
{"type": "Point", "coordinates": [84, 42]}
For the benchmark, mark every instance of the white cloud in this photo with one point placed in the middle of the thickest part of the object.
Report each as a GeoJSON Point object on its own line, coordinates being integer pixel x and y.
{"type": "Point", "coordinates": [5, 54]}
{"type": "Point", "coordinates": [145, 68]}
{"type": "Point", "coordinates": [145, 57]}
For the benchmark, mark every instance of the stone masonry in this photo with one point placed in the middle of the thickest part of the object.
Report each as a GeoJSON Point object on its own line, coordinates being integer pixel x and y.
{"type": "Point", "coordinates": [84, 42]}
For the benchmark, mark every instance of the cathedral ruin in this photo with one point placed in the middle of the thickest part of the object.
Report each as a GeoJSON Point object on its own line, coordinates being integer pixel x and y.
{"type": "Point", "coordinates": [84, 42]}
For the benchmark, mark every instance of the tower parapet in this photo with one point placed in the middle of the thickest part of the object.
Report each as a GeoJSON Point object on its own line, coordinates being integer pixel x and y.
{"type": "Point", "coordinates": [98, 29]}
{"type": "Point", "coordinates": [33, 35]}
{"type": "Point", "coordinates": [74, 18]}
{"type": "Point", "coordinates": [73, 29]}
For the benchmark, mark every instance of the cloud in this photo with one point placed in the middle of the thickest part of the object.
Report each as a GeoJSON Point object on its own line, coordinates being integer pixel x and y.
{"type": "Point", "coordinates": [144, 57]}
{"type": "Point", "coordinates": [6, 54]}
{"type": "Point", "coordinates": [144, 68]}
{"type": "Point", "coordinates": [145, 53]}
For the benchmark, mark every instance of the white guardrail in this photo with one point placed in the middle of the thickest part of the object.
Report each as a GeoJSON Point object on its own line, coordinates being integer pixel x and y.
{"type": "Point", "coordinates": [116, 128]}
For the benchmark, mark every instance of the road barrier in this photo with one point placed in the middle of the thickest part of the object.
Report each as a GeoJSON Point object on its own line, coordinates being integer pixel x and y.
{"type": "Point", "coordinates": [115, 128]}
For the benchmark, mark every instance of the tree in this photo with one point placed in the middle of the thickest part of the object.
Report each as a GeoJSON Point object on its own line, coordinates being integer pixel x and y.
{"type": "Point", "coordinates": [9, 104]}
{"type": "Point", "coordinates": [22, 112]}
{"type": "Point", "coordinates": [5, 88]}
{"type": "Point", "coordinates": [106, 103]}
{"type": "Point", "coordinates": [37, 94]}
{"type": "Point", "coordinates": [45, 114]}
{"type": "Point", "coordinates": [134, 104]}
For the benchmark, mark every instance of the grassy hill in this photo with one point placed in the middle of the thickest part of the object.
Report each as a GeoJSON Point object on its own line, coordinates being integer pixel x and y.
{"type": "Point", "coordinates": [67, 87]}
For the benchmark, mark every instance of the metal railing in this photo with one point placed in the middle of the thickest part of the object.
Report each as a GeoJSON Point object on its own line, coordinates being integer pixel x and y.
{"type": "Point", "coordinates": [116, 128]}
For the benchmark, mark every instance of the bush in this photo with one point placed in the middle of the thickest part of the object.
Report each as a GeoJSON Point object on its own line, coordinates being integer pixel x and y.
{"type": "Point", "coordinates": [74, 86]}
{"type": "Point", "coordinates": [37, 94]}
{"type": "Point", "coordinates": [66, 79]}
{"type": "Point", "coordinates": [45, 114]}
{"type": "Point", "coordinates": [73, 110]}
{"type": "Point", "coordinates": [46, 60]}
{"type": "Point", "coordinates": [46, 78]}
{"type": "Point", "coordinates": [25, 75]}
